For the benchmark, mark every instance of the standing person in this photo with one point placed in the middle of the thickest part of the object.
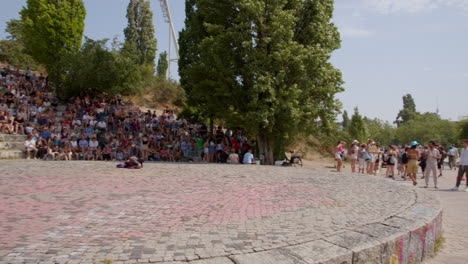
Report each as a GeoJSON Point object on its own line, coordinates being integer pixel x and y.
{"type": "Point", "coordinates": [440, 162]}
{"type": "Point", "coordinates": [339, 151]}
{"type": "Point", "coordinates": [463, 168]}
{"type": "Point", "coordinates": [391, 161]}
{"type": "Point", "coordinates": [353, 152]}
{"type": "Point", "coordinates": [453, 156]}
{"type": "Point", "coordinates": [413, 155]}
{"type": "Point", "coordinates": [433, 155]}
{"type": "Point", "coordinates": [422, 160]}
{"type": "Point", "coordinates": [371, 149]}
{"type": "Point", "coordinates": [377, 155]}
{"type": "Point", "coordinates": [362, 160]}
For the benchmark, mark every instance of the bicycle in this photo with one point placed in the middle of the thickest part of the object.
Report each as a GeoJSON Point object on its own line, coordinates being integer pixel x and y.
{"type": "Point", "coordinates": [295, 160]}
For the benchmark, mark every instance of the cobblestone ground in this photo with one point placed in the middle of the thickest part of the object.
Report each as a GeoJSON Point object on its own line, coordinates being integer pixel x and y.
{"type": "Point", "coordinates": [455, 216]}
{"type": "Point", "coordinates": [85, 212]}
{"type": "Point", "coordinates": [455, 204]}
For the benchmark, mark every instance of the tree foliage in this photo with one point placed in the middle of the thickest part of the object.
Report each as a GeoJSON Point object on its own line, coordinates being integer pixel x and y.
{"type": "Point", "coordinates": [262, 65]}
{"type": "Point", "coordinates": [426, 127]}
{"type": "Point", "coordinates": [380, 131]}
{"type": "Point", "coordinates": [408, 112]}
{"type": "Point", "coordinates": [463, 129]}
{"type": "Point", "coordinates": [163, 65]}
{"type": "Point", "coordinates": [12, 49]}
{"type": "Point", "coordinates": [357, 128]}
{"type": "Point", "coordinates": [140, 42]}
{"type": "Point", "coordinates": [52, 31]}
{"type": "Point", "coordinates": [96, 70]}
{"type": "Point", "coordinates": [346, 120]}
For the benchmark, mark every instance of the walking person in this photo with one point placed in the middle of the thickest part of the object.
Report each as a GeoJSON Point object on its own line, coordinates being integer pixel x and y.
{"type": "Point", "coordinates": [463, 167]}
{"type": "Point", "coordinates": [339, 154]}
{"type": "Point", "coordinates": [413, 155]}
{"type": "Point", "coordinates": [353, 152]}
{"type": "Point", "coordinates": [433, 155]}
{"type": "Point", "coordinates": [362, 160]}
{"type": "Point", "coordinates": [453, 156]}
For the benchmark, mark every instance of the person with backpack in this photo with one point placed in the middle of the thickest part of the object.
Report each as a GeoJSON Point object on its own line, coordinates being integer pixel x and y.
{"type": "Point", "coordinates": [453, 156]}
{"type": "Point", "coordinates": [440, 162]}
{"type": "Point", "coordinates": [353, 152]}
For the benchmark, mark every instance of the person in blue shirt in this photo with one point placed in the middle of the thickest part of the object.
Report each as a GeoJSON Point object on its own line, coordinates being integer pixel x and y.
{"type": "Point", "coordinates": [45, 134]}
{"type": "Point", "coordinates": [248, 157]}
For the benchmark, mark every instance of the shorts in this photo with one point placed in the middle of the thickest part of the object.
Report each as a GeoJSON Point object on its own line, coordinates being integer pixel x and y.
{"type": "Point", "coordinates": [338, 156]}
{"type": "Point", "coordinates": [362, 163]}
{"type": "Point", "coordinates": [412, 166]}
{"type": "Point", "coordinates": [354, 156]}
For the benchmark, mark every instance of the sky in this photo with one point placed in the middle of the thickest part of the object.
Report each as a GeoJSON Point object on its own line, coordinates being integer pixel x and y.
{"type": "Point", "coordinates": [389, 48]}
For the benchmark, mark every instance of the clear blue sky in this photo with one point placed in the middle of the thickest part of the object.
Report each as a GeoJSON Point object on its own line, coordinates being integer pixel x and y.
{"type": "Point", "coordinates": [389, 48]}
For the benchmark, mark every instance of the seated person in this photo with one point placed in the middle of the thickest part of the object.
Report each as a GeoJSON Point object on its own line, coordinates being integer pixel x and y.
{"type": "Point", "coordinates": [30, 145]}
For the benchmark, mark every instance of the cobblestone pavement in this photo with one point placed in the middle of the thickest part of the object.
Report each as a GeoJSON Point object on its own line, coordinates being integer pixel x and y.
{"type": "Point", "coordinates": [455, 205]}
{"type": "Point", "coordinates": [91, 212]}
{"type": "Point", "coordinates": [455, 221]}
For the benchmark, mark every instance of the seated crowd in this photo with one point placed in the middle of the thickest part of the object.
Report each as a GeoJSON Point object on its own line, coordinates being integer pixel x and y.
{"type": "Point", "coordinates": [98, 128]}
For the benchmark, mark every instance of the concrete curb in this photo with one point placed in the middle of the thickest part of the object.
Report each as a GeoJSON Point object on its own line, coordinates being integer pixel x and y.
{"type": "Point", "coordinates": [408, 237]}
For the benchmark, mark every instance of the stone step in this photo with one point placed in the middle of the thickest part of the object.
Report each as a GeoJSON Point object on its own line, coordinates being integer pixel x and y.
{"type": "Point", "coordinates": [11, 145]}
{"type": "Point", "coordinates": [12, 154]}
{"type": "Point", "coordinates": [12, 138]}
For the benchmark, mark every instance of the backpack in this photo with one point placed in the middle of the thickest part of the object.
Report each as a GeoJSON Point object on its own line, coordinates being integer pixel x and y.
{"type": "Point", "coordinates": [404, 158]}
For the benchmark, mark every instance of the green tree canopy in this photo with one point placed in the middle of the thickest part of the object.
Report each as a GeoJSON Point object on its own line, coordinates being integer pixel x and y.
{"type": "Point", "coordinates": [96, 70]}
{"type": "Point", "coordinates": [346, 120]}
{"type": "Point", "coordinates": [408, 112]}
{"type": "Point", "coordinates": [262, 65]}
{"type": "Point", "coordinates": [426, 127]}
{"type": "Point", "coordinates": [53, 30]}
{"type": "Point", "coordinates": [163, 64]}
{"type": "Point", "coordinates": [381, 131]}
{"type": "Point", "coordinates": [12, 49]}
{"type": "Point", "coordinates": [140, 42]}
{"type": "Point", "coordinates": [357, 128]}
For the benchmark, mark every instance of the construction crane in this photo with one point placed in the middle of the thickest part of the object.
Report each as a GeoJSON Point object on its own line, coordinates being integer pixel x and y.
{"type": "Point", "coordinates": [172, 35]}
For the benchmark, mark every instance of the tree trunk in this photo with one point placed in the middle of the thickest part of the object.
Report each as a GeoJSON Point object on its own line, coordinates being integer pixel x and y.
{"type": "Point", "coordinates": [266, 146]}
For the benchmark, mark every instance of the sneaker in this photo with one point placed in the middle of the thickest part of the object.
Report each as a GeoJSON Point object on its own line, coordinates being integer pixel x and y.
{"type": "Point", "coordinates": [426, 186]}
{"type": "Point", "coordinates": [28, 158]}
{"type": "Point", "coordinates": [466, 189]}
{"type": "Point", "coordinates": [454, 189]}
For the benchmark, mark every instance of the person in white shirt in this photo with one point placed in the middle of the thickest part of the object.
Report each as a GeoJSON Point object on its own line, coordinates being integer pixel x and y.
{"type": "Point", "coordinates": [248, 157]}
{"type": "Point", "coordinates": [463, 167]}
{"type": "Point", "coordinates": [432, 155]}
{"type": "Point", "coordinates": [30, 144]}
{"type": "Point", "coordinates": [453, 156]}
{"type": "Point", "coordinates": [233, 157]}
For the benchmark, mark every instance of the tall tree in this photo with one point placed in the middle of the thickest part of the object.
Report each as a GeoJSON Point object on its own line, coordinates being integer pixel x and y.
{"type": "Point", "coordinates": [53, 30]}
{"type": "Point", "coordinates": [408, 112]}
{"type": "Point", "coordinates": [163, 64]}
{"type": "Point", "coordinates": [265, 63]}
{"type": "Point", "coordinates": [346, 120]}
{"type": "Point", "coordinates": [12, 49]}
{"type": "Point", "coordinates": [357, 128]}
{"type": "Point", "coordinates": [140, 41]}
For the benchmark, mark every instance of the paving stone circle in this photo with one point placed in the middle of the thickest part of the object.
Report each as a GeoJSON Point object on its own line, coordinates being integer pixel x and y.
{"type": "Point", "coordinates": [92, 212]}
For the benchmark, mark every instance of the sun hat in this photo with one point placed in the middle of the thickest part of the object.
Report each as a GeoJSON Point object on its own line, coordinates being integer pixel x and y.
{"type": "Point", "coordinates": [355, 141]}
{"type": "Point", "coordinates": [414, 143]}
